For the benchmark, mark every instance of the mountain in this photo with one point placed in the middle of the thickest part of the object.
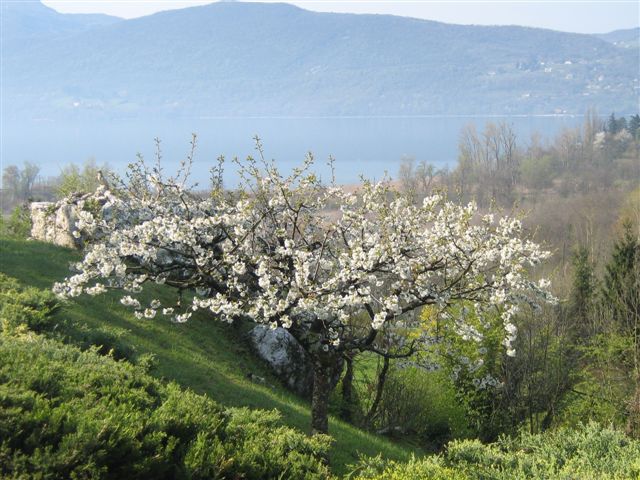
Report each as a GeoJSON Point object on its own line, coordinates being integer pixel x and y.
{"type": "Point", "coordinates": [627, 38]}
{"type": "Point", "coordinates": [276, 59]}
{"type": "Point", "coordinates": [29, 21]}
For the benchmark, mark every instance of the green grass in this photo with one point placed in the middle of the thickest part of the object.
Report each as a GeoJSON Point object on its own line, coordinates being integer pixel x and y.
{"type": "Point", "coordinates": [204, 355]}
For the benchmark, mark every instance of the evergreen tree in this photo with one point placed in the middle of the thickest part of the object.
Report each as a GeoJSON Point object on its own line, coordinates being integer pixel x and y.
{"type": "Point", "coordinates": [612, 124]}
{"type": "Point", "coordinates": [582, 292]}
{"type": "Point", "coordinates": [622, 294]}
{"type": "Point", "coordinates": [634, 125]}
{"type": "Point", "coordinates": [621, 287]}
{"type": "Point", "coordinates": [622, 124]}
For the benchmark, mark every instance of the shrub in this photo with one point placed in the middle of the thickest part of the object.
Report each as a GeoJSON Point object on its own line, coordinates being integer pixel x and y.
{"type": "Point", "coordinates": [29, 307]}
{"type": "Point", "coordinates": [65, 413]}
{"type": "Point", "coordinates": [74, 179]}
{"type": "Point", "coordinates": [429, 468]}
{"type": "Point", "coordinates": [18, 225]}
{"type": "Point", "coordinates": [587, 452]}
{"type": "Point", "coordinates": [25, 306]}
{"type": "Point", "coordinates": [422, 403]}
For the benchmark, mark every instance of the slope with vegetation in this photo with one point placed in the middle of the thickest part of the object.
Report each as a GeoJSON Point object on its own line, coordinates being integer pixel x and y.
{"type": "Point", "coordinates": [203, 61]}
{"type": "Point", "coordinates": [203, 355]}
{"type": "Point", "coordinates": [68, 412]}
{"type": "Point", "coordinates": [573, 385]}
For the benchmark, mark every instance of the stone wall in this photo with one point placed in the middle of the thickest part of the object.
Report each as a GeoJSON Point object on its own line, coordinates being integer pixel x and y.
{"type": "Point", "coordinates": [54, 224]}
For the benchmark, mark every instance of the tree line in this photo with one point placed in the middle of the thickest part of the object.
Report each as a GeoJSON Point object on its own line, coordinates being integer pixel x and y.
{"type": "Point", "coordinates": [577, 360]}
{"type": "Point", "coordinates": [494, 165]}
{"type": "Point", "coordinates": [21, 185]}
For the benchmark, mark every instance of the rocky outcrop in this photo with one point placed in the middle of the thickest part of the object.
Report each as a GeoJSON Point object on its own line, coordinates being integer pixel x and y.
{"type": "Point", "coordinates": [54, 223]}
{"type": "Point", "coordinates": [285, 356]}
{"type": "Point", "coordinates": [287, 359]}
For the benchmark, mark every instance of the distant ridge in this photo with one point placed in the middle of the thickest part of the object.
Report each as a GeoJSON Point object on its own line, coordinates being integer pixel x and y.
{"type": "Point", "coordinates": [240, 59]}
{"type": "Point", "coordinates": [627, 38]}
{"type": "Point", "coordinates": [32, 20]}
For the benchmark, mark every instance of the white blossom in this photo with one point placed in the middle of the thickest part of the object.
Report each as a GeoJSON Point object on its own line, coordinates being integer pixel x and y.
{"type": "Point", "coordinates": [96, 290]}
{"type": "Point", "coordinates": [283, 248]}
{"type": "Point", "coordinates": [128, 301]}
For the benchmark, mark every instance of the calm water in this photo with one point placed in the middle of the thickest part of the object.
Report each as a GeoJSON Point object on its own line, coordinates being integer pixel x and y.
{"type": "Point", "coordinates": [367, 146]}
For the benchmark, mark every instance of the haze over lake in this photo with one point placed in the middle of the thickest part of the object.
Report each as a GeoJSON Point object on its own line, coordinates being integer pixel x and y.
{"type": "Point", "coordinates": [368, 146]}
{"type": "Point", "coordinates": [367, 89]}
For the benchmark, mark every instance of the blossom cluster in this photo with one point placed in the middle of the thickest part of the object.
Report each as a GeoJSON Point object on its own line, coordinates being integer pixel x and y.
{"type": "Point", "coordinates": [293, 252]}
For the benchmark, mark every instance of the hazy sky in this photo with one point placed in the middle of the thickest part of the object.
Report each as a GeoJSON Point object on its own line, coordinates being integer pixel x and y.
{"type": "Point", "coordinates": [571, 16]}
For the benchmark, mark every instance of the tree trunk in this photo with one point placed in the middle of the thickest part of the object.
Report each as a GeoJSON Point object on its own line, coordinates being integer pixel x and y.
{"type": "Point", "coordinates": [382, 377]}
{"type": "Point", "coordinates": [633, 422]}
{"type": "Point", "coordinates": [320, 398]}
{"type": "Point", "coordinates": [346, 409]}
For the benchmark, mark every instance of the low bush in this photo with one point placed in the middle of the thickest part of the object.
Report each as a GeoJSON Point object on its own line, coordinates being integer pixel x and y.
{"type": "Point", "coordinates": [422, 404]}
{"type": "Point", "coordinates": [32, 308]}
{"type": "Point", "coordinates": [25, 306]}
{"type": "Point", "coordinates": [587, 452]}
{"type": "Point", "coordinates": [65, 413]}
{"type": "Point", "coordinates": [18, 224]}
{"type": "Point", "coordinates": [428, 468]}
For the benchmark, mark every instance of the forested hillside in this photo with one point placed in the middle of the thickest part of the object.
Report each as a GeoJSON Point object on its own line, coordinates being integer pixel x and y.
{"type": "Point", "coordinates": [235, 58]}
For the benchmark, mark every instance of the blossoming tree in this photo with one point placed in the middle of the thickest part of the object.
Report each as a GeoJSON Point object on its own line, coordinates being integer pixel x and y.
{"type": "Point", "coordinates": [288, 251]}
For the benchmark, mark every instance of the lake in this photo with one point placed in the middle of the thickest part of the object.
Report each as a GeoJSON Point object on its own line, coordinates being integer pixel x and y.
{"type": "Point", "coordinates": [360, 145]}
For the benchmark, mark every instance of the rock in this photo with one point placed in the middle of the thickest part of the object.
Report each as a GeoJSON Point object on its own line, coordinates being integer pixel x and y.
{"type": "Point", "coordinates": [54, 224]}
{"type": "Point", "coordinates": [286, 357]}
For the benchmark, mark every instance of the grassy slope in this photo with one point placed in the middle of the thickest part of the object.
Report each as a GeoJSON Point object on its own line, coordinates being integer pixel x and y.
{"type": "Point", "coordinates": [203, 355]}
